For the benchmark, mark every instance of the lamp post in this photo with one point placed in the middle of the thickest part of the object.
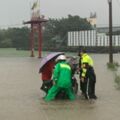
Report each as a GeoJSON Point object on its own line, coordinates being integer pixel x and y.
{"type": "Point", "coordinates": [110, 32]}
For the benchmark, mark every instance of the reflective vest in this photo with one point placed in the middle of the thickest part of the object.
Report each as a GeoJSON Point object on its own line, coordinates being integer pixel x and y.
{"type": "Point", "coordinates": [86, 59]}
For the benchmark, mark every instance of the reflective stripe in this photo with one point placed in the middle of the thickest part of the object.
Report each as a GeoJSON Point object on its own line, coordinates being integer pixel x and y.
{"type": "Point", "coordinates": [84, 72]}
{"type": "Point", "coordinates": [65, 66]}
{"type": "Point", "coordinates": [87, 89]}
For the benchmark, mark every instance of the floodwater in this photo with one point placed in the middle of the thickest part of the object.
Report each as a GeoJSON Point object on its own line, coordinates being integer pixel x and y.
{"type": "Point", "coordinates": [21, 98]}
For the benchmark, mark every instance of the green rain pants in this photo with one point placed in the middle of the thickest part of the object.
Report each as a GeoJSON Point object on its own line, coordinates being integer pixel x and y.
{"type": "Point", "coordinates": [55, 90]}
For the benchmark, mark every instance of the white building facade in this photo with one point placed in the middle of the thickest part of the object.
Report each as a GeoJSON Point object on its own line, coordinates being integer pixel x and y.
{"type": "Point", "coordinates": [91, 38]}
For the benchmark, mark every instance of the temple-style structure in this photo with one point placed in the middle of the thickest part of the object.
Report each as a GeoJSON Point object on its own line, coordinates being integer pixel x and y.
{"type": "Point", "coordinates": [36, 23]}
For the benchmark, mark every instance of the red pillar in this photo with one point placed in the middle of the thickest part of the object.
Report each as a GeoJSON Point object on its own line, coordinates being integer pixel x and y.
{"type": "Point", "coordinates": [39, 40]}
{"type": "Point", "coordinates": [37, 23]}
{"type": "Point", "coordinates": [32, 41]}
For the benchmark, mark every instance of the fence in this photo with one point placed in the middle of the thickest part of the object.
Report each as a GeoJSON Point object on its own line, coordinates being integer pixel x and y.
{"type": "Point", "coordinates": [91, 38]}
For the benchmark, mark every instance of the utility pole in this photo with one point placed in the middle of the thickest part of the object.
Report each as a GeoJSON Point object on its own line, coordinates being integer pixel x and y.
{"type": "Point", "coordinates": [110, 32]}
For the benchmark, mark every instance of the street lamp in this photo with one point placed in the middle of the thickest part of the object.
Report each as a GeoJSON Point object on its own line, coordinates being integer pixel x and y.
{"type": "Point", "coordinates": [110, 32]}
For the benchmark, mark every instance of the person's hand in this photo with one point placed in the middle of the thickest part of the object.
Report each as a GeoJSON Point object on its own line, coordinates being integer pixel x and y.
{"type": "Point", "coordinates": [83, 66]}
{"type": "Point", "coordinates": [82, 79]}
{"type": "Point", "coordinates": [78, 70]}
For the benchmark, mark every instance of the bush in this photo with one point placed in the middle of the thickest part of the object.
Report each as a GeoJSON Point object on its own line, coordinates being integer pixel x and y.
{"type": "Point", "coordinates": [113, 66]}
{"type": "Point", "coordinates": [117, 81]}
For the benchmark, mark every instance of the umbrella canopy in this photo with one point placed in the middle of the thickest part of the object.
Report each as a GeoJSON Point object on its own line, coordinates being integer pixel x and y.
{"type": "Point", "coordinates": [48, 58]}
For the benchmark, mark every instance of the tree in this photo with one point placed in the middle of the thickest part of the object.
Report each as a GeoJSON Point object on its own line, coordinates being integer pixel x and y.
{"type": "Point", "coordinates": [54, 34]}
{"type": "Point", "coordinates": [19, 37]}
{"type": "Point", "coordinates": [60, 27]}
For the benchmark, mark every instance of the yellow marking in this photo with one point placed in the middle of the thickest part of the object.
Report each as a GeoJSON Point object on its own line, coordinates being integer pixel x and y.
{"type": "Point", "coordinates": [65, 66]}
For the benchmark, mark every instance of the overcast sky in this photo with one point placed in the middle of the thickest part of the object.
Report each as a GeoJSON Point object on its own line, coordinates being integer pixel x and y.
{"type": "Point", "coordinates": [13, 12]}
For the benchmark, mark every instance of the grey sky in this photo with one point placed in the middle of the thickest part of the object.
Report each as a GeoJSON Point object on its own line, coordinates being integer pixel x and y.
{"type": "Point", "coordinates": [13, 12]}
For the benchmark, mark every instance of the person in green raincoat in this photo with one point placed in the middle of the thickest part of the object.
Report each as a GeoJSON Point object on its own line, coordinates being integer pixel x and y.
{"type": "Point", "coordinates": [62, 80]}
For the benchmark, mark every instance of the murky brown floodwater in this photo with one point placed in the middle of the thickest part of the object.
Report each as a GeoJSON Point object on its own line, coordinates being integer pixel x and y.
{"type": "Point", "coordinates": [21, 99]}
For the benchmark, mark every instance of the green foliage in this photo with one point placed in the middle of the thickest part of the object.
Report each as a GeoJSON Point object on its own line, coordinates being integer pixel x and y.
{"type": "Point", "coordinates": [56, 30]}
{"type": "Point", "coordinates": [20, 38]}
{"type": "Point", "coordinates": [113, 66]}
{"type": "Point", "coordinates": [117, 81]}
{"type": "Point", "coordinates": [54, 34]}
{"type": "Point", "coordinates": [15, 37]}
{"type": "Point", "coordinates": [6, 43]}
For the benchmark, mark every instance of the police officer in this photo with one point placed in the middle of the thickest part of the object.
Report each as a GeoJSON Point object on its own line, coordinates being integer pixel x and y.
{"type": "Point", "coordinates": [87, 76]}
{"type": "Point", "coordinates": [62, 80]}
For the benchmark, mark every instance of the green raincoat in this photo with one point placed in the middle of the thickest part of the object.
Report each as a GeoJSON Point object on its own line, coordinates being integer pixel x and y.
{"type": "Point", "coordinates": [62, 75]}
{"type": "Point", "coordinates": [62, 79]}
